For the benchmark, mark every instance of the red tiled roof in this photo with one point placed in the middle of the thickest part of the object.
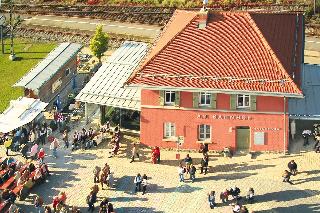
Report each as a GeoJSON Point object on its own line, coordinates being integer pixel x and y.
{"type": "Point", "coordinates": [230, 53]}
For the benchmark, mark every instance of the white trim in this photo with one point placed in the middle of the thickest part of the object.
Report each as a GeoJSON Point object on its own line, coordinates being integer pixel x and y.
{"type": "Point", "coordinates": [172, 127]}
{"type": "Point", "coordinates": [165, 97]}
{"type": "Point", "coordinates": [205, 94]}
{"type": "Point", "coordinates": [199, 133]}
{"type": "Point", "coordinates": [208, 110]}
{"type": "Point", "coordinates": [243, 97]}
{"type": "Point", "coordinates": [226, 91]}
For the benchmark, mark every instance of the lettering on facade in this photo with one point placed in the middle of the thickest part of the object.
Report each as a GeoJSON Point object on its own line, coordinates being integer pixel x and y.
{"type": "Point", "coordinates": [266, 129]}
{"type": "Point", "coordinates": [225, 117]}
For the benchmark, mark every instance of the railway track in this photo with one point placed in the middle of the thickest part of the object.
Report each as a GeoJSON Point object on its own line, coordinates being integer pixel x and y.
{"type": "Point", "coordinates": [146, 15]}
{"type": "Point", "coordinates": [136, 14]}
{"type": "Point", "coordinates": [65, 35]}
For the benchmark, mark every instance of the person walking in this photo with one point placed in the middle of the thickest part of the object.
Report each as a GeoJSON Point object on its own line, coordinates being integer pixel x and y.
{"type": "Point", "coordinates": [41, 155]}
{"type": "Point", "coordinates": [137, 181]}
{"type": "Point", "coordinates": [38, 202]}
{"type": "Point", "coordinates": [293, 167]}
{"type": "Point", "coordinates": [54, 146]}
{"type": "Point", "coordinates": [286, 177]}
{"type": "Point", "coordinates": [134, 152]}
{"type": "Point", "coordinates": [91, 199]}
{"type": "Point", "coordinates": [110, 180]}
{"type": "Point", "coordinates": [65, 139]}
{"type": "Point", "coordinates": [224, 196]}
{"type": "Point", "coordinates": [144, 183]}
{"type": "Point", "coordinates": [34, 151]}
{"type": "Point", "coordinates": [43, 134]}
{"type": "Point", "coordinates": [250, 195]}
{"type": "Point", "coordinates": [211, 199]}
{"type": "Point", "coordinates": [192, 172]}
{"type": "Point", "coordinates": [188, 162]}
{"type": "Point", "coordinates": [306, 133]}
{"type": "Point", "coordinates": [104, 206]}
{"type": "Point", "coordinates": [7, 145]}
{"type": "Point", "coordinates": [181, 172]}
{"type": "Point", "coordinates": [204, 164]}
{"type": "Point", "coordinates": [96, 173]}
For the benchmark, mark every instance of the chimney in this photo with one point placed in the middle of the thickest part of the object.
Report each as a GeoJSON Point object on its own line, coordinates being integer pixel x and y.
{"type": "Point", "coordinates": [203, 15]}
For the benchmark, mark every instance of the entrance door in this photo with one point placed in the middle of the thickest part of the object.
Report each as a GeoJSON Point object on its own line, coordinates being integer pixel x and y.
{"type": "Point", "coordinates": [243, 138]}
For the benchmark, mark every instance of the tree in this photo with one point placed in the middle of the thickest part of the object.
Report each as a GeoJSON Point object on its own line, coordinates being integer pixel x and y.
{"type": "Point", "coordinates": [99, 43]}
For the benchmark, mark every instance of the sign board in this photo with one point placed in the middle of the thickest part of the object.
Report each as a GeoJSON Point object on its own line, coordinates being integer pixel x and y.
{"type": "Point", "coordinates": [180, 140]}
{"type": "Point", "coordinates": [259, 138]}
{"type": "Point", "coordinates": [56, 85]}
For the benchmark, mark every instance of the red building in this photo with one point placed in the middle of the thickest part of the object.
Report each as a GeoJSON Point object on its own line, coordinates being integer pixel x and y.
{"type": "Point", "coordinates": [222, 79]}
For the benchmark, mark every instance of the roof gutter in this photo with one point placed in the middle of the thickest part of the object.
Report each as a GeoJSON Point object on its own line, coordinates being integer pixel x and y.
{"type": "Point", "coordinates": [227, 91]}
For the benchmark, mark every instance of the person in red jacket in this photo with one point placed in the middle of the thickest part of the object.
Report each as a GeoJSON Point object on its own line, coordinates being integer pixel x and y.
{"type": "Point", "coordinates": [41, 155]}
{"type": "Point", "coordinates": [55, 203]}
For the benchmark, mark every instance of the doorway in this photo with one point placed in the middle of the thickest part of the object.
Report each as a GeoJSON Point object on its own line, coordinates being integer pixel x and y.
{"type": "Point", "coordinates": [243, 137]}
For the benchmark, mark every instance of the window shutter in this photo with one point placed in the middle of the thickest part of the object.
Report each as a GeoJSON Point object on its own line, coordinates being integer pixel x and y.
{"type": "Point", "coordinates": [213, 100]}
{"type": "Point", "coordinates": [177, 98]}
{"type": "Point", "coordinates": [161, 97]}
{"type": "Point", "coordinates": [195, 99]}
{"type": "Point", "coordinates": [233, 101]}
{"type": "Point", "coordinates": [253, 102]}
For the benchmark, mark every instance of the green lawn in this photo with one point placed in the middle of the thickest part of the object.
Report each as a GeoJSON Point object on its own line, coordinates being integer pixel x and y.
{"type": "Point", "coordinates": [29, 54]}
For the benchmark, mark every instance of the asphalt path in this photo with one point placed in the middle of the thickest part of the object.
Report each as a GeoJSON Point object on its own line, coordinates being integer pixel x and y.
{"type": "Point", "coordinates": [88, 24]}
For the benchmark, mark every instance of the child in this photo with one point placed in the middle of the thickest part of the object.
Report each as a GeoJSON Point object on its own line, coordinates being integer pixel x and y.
{"type": "Point", "coordinates": [211, 200]}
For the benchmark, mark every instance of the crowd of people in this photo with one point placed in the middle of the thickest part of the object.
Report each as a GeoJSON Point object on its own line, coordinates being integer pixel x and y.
{"type": "Point", "coordinates": [83, 139]}
{"type": "Point", "coordinates": [234, 192]}
{"type": "Point", "coordinates": [186, 166]}
{"type": "Point", "coordinates": [29, 138]}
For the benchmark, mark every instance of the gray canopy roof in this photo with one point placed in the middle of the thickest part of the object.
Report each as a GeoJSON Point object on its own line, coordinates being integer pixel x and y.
{"type": "Point", "coordinates": [49, 66]}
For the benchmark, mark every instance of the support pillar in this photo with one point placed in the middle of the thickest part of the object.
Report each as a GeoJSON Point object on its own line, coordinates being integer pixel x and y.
{"type": "Point", "coordinates": [102, 114]}
{"type": "Point", "coordinates": [86, 111]}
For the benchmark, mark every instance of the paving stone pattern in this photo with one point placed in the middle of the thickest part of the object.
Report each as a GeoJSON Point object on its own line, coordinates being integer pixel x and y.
{"type": "Point", "coordinates": [73, 173]}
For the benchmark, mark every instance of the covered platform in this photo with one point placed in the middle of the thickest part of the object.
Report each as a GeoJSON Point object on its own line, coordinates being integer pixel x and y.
{"type": "Point", "coordinates": [106, 87]}
{"type": "Point", "coordinates": [20, 112]}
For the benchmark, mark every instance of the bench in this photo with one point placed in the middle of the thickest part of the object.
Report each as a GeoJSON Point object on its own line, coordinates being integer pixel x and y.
{"type": "Point", "coordinates": [10, 181]}
{"type": "Point", "coordinates": [3, 206]}
{"type": "Point", "coordinates": [22, 189]}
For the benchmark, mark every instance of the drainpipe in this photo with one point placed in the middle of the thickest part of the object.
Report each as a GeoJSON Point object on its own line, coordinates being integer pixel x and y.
{"type": "Point", "coordinates": [284, 125]}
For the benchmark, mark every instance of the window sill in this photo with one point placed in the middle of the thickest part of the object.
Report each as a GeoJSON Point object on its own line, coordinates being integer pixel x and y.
{"type": "Point", "coordinates": [205, 142]}
{"type": "Point", "coordinates": [243, 108]}
{"type": "Point", "coordinates": [172, 139]}
{"type": "Point", "coordinates": [204, 106]}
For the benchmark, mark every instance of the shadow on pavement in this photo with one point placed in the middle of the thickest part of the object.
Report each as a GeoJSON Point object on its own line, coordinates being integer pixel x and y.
{"type": "Point", "coordinates": [185, 188]}
{"type": "Point", "coordinates": [226, 177]}
{"type": "Point", "coordinates": [283, 196]}
{"type": "Point", "coordinates": [236, 167]}
{"type": "Point", "coordinates": [304, 208]}
{"type": "Point", "coordinates": [136, 209]}
{"type": "Point", "coordinates": [127, 199]}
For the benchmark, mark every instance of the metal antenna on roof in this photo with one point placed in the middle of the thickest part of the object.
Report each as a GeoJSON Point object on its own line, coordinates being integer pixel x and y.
{"type": "Point", "coordinates": [204, 5]}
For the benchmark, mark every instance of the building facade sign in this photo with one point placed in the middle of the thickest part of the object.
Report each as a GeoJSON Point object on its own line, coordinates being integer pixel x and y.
{"type": "Point", "coordinates": [266, 129]}
{"type": "Point", "coordinates": [224, 117]}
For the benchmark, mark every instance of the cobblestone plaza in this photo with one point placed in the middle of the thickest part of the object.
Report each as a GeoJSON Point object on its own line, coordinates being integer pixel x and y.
{"type": "Point", "coordinates": [72, 172]}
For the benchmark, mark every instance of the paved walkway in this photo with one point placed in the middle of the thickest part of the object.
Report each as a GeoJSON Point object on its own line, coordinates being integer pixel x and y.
{"type": "Point", "coordinates": [72, 173]}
